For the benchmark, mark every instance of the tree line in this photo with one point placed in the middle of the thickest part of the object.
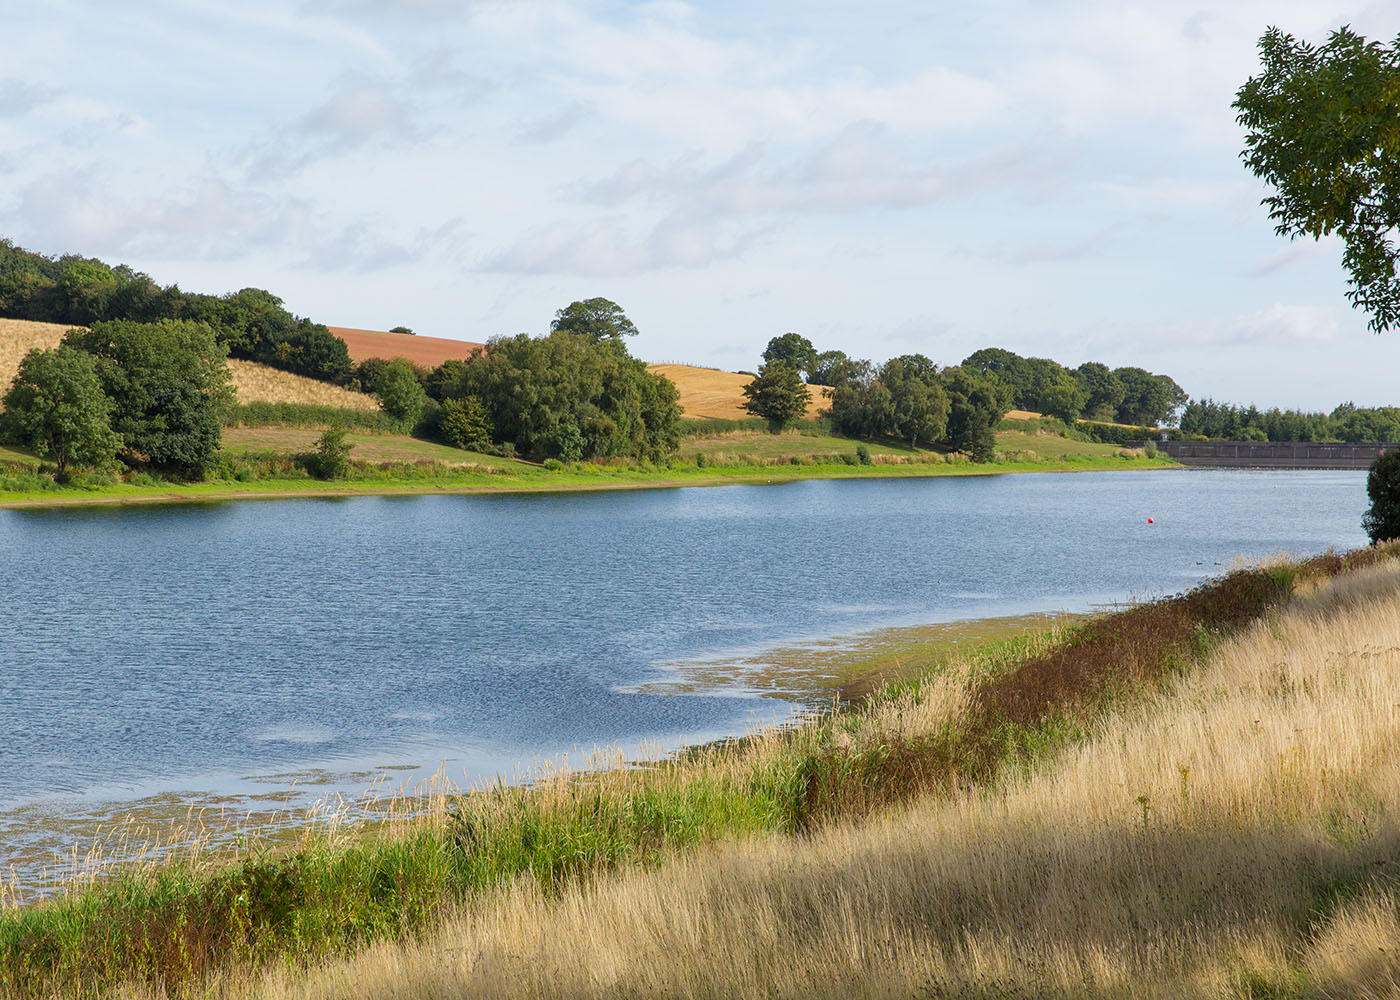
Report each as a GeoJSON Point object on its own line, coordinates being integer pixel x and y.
{"type": "Point", "coordinates": [251, 324]}
{"type": "Point", "coordinates": [1347, 422]}
{"type": "Point", "coordinates": [909, 398]}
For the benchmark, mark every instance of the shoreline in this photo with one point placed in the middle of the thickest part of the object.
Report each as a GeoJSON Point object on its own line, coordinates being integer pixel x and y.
{"type": "Point", "coordinates": [544, 481]}
{"type": "Point", "coordinates": [55, 836]}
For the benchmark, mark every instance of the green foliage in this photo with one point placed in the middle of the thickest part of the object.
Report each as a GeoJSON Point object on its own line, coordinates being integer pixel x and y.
{"type": "Point", "coordinates": [539, 392]}
{"type": "Point", "coordinates": [265, 414]}
{"type": "Point", "coordinates": [1103, 390]}
{"type": "Point", "coordinates": [777, 394]}
{"type": "Point", "coordinates": [1208, 419]}
{"type": "Point", "coordinates": [464, 423]}
{"type": "Point", "coordinates": [597, 320]}
{"type": "Point", "coordinates": [400, 392]}
{"type": "Point", "coordinates": [401, 329]}
{"type": "Point", "coordinates": [793, 350]}
{"type": "Point", "coordinates": [1323, 128]}
{"type": "Point", "coordinates": [862, 454]}
{"type": "Point", "coordinates": [331, 459]}
{"type": "Point", "coordinates": [918, 404]}
{"type": "Point", "coordinates": [251, 323]}
{"type": "Point", "coordinates": [832, 368]}
{"type": "Point", "coordinates": [975, 407]}
{"type": "Point", "coordinates": [1147, 398]}
{"type": "Point", "coordinates": [169, 386]}
{"type": "Point", "coordinates": [56, 407]}
{"type": "Point", "coordinates": [1382, 520]}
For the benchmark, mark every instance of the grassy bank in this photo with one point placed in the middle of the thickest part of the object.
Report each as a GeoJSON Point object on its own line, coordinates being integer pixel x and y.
{"type": "Point", "coordinates": [889, 847]}
{"type": "Point", "coordinates": [260, 463]}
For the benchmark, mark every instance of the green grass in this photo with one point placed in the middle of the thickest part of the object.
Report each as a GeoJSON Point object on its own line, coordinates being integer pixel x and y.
{"type": "Point", "coordinates": [263, 414]}
{"type": "Point", "coordinates": [1031, 697]}
{"type": "Point", "coordinates": [257, 462]}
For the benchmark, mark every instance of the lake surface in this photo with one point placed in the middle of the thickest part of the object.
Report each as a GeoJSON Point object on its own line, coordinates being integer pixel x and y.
{"type": "Point", "coordinates": [222, 648]}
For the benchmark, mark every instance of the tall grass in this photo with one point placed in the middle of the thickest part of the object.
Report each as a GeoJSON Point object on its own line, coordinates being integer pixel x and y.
{"type": "Point", "coordinates": [524, 866]}
{"type": "Point", "coordinates": [1237, 835]}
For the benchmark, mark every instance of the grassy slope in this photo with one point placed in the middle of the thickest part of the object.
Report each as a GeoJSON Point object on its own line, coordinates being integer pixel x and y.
{"type": "Point", "coordinates": [709, 392]}
{"type": "Point", "coordinates": [1141, 805]}
{"type": "Point", "coordinates": [253, 382]}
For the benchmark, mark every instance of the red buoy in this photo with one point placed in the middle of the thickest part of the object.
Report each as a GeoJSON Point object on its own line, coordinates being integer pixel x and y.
{"type": "Point", "coordinates": [1149, 520]}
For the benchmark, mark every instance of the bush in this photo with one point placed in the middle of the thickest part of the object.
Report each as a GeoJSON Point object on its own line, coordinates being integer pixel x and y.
{"type": "Point", "coordinates": [1382, 521]}
{"type": "Point", "coordinates": [862, 454]}
{"type": "Point", "coordinates": [554, 465]}
{"type": "Point", "coordinates": [331, 459]}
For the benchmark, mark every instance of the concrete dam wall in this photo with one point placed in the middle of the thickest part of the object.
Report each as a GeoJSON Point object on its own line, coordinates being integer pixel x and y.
{"type": "Point", "coordinates": [1273, 455]}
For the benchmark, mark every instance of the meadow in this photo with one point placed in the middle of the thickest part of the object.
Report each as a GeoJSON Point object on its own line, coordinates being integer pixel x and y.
{"type": "Point", "coordinates": [1191, 797]}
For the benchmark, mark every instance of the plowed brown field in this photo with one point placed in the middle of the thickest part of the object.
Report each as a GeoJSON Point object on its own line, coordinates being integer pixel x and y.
{"type": "Point", "coordinates": [426, 351]}
{"type": "Point", "coordinates": [706, 392]}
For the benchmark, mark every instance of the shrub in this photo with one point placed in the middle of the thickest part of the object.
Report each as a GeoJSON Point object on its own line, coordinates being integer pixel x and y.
{"type": "Point", "coordinates": [862, 454]}
{"type": "Point", "coordinates": [331, 459]}
{"type": "Point", "coordinates": [1382, 520]}
{"type": "Point", "coordinates": [554, 465]}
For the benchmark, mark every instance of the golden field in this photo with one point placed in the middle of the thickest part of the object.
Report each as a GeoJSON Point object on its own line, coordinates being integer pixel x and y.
{"type": "Point", "coordinates": [253, 382]}
{"type": "Point", "coordinates": [707, 392]}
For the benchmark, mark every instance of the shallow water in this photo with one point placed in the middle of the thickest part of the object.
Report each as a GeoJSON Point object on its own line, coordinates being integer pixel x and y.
{"type": "Point", "coordinates": [226, 648]}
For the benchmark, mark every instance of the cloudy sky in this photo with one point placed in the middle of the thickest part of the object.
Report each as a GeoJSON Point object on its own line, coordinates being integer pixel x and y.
{"type": "Point", "coordinates": [1058, 178]}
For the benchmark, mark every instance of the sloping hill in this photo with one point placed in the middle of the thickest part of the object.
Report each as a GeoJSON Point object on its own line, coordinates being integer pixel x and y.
{"type": "Point", "coordinates": [254, 383]}
{"type": "Point", "coordinates": [706, 392]}
{"type": "Point", "coordinates": [427, 351]}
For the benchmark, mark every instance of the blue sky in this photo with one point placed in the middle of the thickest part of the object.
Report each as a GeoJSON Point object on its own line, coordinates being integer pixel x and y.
{"type": "Point", "coordinates": [1060, 179]}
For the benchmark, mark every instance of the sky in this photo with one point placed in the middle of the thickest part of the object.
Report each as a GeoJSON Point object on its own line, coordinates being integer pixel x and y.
{"type": "Point", "coordinates": [1061, 179]}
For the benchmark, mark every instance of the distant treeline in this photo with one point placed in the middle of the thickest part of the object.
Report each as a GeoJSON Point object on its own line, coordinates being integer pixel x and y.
{"type": "Point", "coordinates": [251, 324]}
{"type": "Point", "coordinates": [1348, 422]}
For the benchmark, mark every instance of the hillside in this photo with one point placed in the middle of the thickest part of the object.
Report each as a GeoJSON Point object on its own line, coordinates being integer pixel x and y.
{"type": "Point", "coordinates": [708, 392]}
{"type": "Point", "coordinates": [254, 383]}
{"type": "Point", "coordinates": [426, 351]}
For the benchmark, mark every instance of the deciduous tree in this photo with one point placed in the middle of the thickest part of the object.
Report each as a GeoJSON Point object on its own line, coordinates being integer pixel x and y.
{"type": "Point", "coordinates": [777, 394]}
{"type": "Point", "coordinates": [56, 407]}
{"type": "Point", "coordinates": [1323, 126]}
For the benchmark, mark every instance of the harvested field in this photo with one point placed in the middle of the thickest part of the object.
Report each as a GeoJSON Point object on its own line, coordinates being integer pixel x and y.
{"type": "Point", "coordinates": [254, 382]}
{"type": "Point", "coordinates": [20, 336]}
{"type": "Point", "coordinates": [427, 351]}
{"type": "Point", "coordinates": [257, 383]}
{"type": "Point", "coordinates": [707, 392]}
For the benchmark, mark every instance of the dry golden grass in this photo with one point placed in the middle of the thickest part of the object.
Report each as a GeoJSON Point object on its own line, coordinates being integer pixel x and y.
{"type": "Point", "coordinates": [260, 383]}
{"type": "Point", "coordinates": [706, 392]}
{"type": "Point", "coordinates": [20, 336]}
{"type": "Point", "coordinates": [254, 382]}
{"type": "Point", "coordinates": [1182, 851]}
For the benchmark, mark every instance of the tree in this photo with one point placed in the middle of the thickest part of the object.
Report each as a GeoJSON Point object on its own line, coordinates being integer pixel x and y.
{"type": "Point", "coordinates": [976, 405]}
{"type": "Point", "coordinates": [532, 388]}
{"type": "Point", "coordinates": [1103, 389]}
{"type": "Point", "coordinates": [406, 331]}
{"type": "Point", "coordinates": [1148, 399]}
{"type": "Point", "coordinates": [56, 407]}
{"type": "Point", "coordinates": [1382, 520]}
{"type": "Point", "coordinates": [331, 459]}
{"type": "Point", "coordinates": [794, 350]}
{"type": "Point", "coordinates": [400, 392]}
{"type": "Point", "coordinates": [464, 423]}
{"type": "Point", "coordinates": [777, 394]}
{"type": "Point", "coordinates": [169, 386]}
{"type": "Point", "coordinates": [918, 404]}
{"type": "Point", "coordinates": [597, 320]}
{"type": "Point", "coordinates": [833, 368]}
{"type": "Point", "coordinates": [1323, 128]}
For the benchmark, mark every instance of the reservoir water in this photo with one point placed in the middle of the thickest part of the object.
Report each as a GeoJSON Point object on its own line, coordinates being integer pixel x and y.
{"type": "Point", "coordinates": [220, 648]}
